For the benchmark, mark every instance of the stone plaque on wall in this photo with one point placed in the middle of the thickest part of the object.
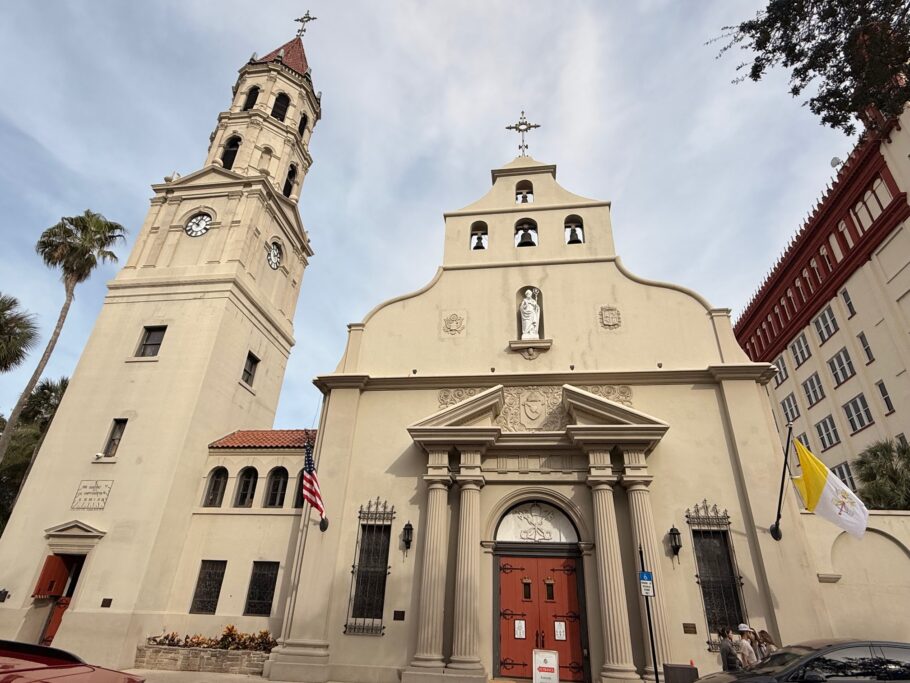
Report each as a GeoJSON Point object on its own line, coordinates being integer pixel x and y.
{"type": "Point", "coordinates": [92, 494]}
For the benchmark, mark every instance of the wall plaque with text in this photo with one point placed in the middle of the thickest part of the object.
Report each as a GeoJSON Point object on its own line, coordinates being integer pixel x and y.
{"type": "Point", "coordinates": [92, 494]}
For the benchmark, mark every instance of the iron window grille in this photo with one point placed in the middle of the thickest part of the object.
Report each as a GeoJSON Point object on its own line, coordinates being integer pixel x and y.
{"type": "Point", "coordinates": [370, 569]}
{"type": "Point", "coordinates": [208, 587]}
{"type": "Point", "coordinates": [151, 341]}
{"type": "Point", "coordinates": [262, 589]}
{"type": "Point", "coordinates": [717, 572]}
{"type": "Point", "coordinates": [113, 441]}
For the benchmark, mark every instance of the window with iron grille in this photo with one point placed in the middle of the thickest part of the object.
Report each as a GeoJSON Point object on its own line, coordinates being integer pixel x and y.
{"type": "Point", "coordinates": [249, 368]}
{"type": "Point", "coordinates": [370, 569]}
{"type": "Point", "coordinates": [791, 410]}
{"type": "Point", "coordinates": [717, 572]}
{"type": "Point", "coordinates": [262, 589]}
{"type": "Point", "coordinates": [841, 366]}
{"type": "Point", "coordinates": [813, 389]}
{"type": "Point", "coordinates": [858, 413]}
{"type": "Point", "coordinates": [848, 302]}
{"type": "Point", "coordinates": [844, 474]}
{"type": "Point", "coordinates": [151, 341]}
{"type": "Point", "coordinates": [800, 350]}
{"type": "Point", "coordinates": [825, 325]}
{"type": "Point", "coordinates": [827, 432]}
{"type": "Point", "coordinates": [782, 373]}
{"type": "Point", "coordinates": [866, 348]}
{"type": "Point", "coordinates": [208, 587]}
{"type": "Point", "coordinates": [113, 440]}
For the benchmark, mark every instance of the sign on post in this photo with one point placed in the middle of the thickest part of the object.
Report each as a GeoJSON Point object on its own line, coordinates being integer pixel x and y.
{"type": "Point", "coordinates": [546, 666]}
{"type": "Point", "coordinates": [646, 580]}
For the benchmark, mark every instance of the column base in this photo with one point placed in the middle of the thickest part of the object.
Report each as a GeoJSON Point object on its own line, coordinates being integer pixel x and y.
{"type": "Point", "coordinates": [414, 674]}
{"type": "Point", "coordinates": [306, 661]}
{"type": "Point", "coordinates": [619, 674]}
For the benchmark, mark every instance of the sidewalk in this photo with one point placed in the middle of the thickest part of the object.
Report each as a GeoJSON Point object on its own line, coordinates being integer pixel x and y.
{"type": "Point", "coordinates": [152, 676]}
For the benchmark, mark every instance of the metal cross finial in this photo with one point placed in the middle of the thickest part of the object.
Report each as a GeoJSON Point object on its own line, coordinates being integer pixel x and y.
{"type": "Point", "coordinates": [304, 20]}
{"type": "Point", "coordinates": [523, 127]}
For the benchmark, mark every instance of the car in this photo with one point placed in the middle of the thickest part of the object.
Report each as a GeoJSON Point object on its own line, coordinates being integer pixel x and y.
{"type": "Point", "coordinates": [837, 660]}
{"type": "Point", "coordinates": [26, 663]}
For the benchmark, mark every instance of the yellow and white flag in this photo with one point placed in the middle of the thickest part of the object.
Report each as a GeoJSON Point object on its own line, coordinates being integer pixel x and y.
{"type": "Point", "coordinates": [827, 496]}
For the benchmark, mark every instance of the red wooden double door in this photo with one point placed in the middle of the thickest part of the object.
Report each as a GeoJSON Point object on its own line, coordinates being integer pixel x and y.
{"type": "Point", "coordinates": [538, 609]}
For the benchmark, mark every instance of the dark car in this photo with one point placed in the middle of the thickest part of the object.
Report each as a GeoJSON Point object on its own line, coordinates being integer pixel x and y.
{"type": "Point", "coordinates": [25, 663]}
{"type": "Point", "coordinates": [836, 660]}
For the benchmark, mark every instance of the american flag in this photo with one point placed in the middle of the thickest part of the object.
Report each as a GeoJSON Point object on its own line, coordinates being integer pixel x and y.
{"type": "Point", "coordinates": [310, 483]}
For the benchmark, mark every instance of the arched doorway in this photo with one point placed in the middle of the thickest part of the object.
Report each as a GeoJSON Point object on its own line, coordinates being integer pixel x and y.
{"type": "Point", "coordinates": [539, 592]}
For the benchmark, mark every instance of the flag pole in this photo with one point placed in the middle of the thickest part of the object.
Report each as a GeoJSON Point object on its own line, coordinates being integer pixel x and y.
{"type": "Point", "coordinates": [775, 528]}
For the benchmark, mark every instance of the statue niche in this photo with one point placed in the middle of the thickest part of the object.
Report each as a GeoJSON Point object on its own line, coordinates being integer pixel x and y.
{"type": "Point", "coordinates": [530, 313]}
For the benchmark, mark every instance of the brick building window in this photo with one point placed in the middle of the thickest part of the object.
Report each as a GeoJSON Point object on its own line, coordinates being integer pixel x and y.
{"type": "Point", "coordinates": [825, 325]}
{"type": "Point", "coordinates": [791, 410]}
{"type": "Point", "coordinates": [813, 389]}
{"type": "Point", "coordinates": [848, 302]}
{"type": "Point", "coordinates": [867, 350]}
{"type": "Point", "coordinates": [827, 433]}
{"type": "Point", "coordinates": [800, 350]}
{"type": "Point", "coordinates": [841, 367]}
{"type": "Point", "coordinates": [782, 373]}
{"type": "Point", "coordinates": [886, 399]}
{"type": "Point", "coordinates": [858, 413]}
{"type": "Point", "coordinates": [844, 474]}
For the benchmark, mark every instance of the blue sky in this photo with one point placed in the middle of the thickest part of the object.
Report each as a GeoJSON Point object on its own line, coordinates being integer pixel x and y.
{"type": "Point", "coordinates": [708, 179]}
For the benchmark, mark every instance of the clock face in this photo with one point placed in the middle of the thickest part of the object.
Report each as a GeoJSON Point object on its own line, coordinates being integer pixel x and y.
{"type": "Point", "coordinates": [273, 256]}
{"type": "Point", "coordinates": [198, 225]}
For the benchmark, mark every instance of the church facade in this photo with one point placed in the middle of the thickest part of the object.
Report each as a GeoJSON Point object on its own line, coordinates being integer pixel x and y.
{"type": "Point", "coordinates": [500, 453]}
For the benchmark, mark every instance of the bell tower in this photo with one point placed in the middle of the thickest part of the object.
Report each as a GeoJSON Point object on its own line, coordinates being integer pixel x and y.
{"type": "Point", "coordinates": [191, 344]}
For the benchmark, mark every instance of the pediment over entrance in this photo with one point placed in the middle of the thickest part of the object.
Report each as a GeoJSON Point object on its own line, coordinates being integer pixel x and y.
{"type": "Point", "coordinates": [73, 537]}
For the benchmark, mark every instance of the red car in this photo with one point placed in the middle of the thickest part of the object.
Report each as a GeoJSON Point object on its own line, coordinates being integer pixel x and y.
{"type": "Point", "coordinates": [24, 663]}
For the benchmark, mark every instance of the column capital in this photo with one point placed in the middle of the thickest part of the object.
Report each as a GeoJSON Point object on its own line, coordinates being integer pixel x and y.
{"type": "Point", "coordinates": [636, 482]}
{"type": "Point", "coordinates": [602, 481]}
{"type": "Point", "coordinates": [470, 481]}
{"type": "Point", "coordinates": [437, 481]}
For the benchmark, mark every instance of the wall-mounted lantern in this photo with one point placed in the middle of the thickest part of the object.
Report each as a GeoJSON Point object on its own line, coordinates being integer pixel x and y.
{"type": "Point", "coordinates": [407, 536]}
{"type": "Point", "coordinates": [675, 541]}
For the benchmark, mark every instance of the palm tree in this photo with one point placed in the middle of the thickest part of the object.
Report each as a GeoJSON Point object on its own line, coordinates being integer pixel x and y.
{"type": "Point", "coordinates": [883, 470]}
{"type": "Point", "coordinates": [18, 332]}
{"type": "Point", "coordinates": [75, 245]}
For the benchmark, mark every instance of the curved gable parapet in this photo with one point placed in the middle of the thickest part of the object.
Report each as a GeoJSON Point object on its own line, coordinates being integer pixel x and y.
{"type": "Point", "coordinates": [403, 297]}
{"type": "Point", "coordinates": [667, 285]}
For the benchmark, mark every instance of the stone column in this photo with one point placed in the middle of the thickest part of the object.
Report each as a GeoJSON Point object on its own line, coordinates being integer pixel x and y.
{"type": "Point", "coordinates": [465, 650]}
{"type": "Point", "coordinates": [636, 480]}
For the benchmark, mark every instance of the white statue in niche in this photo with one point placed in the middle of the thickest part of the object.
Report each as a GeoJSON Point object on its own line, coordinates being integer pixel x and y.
{"type": "Point", "coordinates": [529, 310]}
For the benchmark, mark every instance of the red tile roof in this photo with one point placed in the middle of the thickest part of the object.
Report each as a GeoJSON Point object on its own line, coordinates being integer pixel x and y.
{"type": "Point", "coordinates": [293, 57]}
{"type": "Point", "coordinates": [266, 438]}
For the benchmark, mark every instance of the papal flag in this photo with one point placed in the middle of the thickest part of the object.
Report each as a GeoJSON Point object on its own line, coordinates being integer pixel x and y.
{"type": "Point", "coordinates": [827, 496]}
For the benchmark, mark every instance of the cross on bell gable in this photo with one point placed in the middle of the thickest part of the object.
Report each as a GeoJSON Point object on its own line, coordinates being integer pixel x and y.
{"type": "Point", "coordinates": [523, 127]}
{"type": "Point", "coordinates": [303, 21]}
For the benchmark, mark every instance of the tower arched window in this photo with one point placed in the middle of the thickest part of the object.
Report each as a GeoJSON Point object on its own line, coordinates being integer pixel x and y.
{"type": "Point", "coordinates": [304, 120]}
{"type": "Point", "coordinates": [479, 235]}
{"type": "Point", "coordinates": [524, 192]}
{"type": "Point", "coordinates": [251, 96]}
{"type": "Point", "coordinates": [246, 487]}
{"type": "Point", "coordinates": [526, 233]}
{"type": "Point", "coordinates": [298, 496]}
{"type": "Point", "coordinates": [289, 181]}
{"type": "Point", "coordinates": [280, 108]}
{"type": "Point", "coordinates": [574, 230]}
{"type": "Point", "coordinates": [214, 488]}
{"type": "Point", "coordinates": [230, 152]}
{"type": "Point", "coordinates": [276, 487]}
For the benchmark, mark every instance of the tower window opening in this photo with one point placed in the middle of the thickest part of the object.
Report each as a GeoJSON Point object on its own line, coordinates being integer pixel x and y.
{"type": "Point", "coordinates": [479, 235]}
{"type": "Point", "coordinates": [251, 96]}
{"type": "Point", "coordinates": [574, 230]}
{"type": "Point", "coordinates": [214, 491]}
{"type": "Point", "coordinates": [276, 487]}
{"type": "Point", "coordinates": [246, 488]}
{"type": "Point", "coordinates": [304, 120]}
{"type": "Point", "coordinates": [280, 108]}
{"type": "Point", "coordinates": [526, 233]}
{"type": "Point", "coordinates": [289, 181]}
{"type": "Point", "coordinates": [230, 152]}
{"type": "Point", "coordinates": [524, 192]}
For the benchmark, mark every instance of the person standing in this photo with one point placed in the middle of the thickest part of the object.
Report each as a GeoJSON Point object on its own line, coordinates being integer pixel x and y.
{"type": "Point", "coordinates": [728, 658]}
{"type": "Point", "coordinates": [765, 643]}
{"type": "Point", "coordinates": [745, 650]}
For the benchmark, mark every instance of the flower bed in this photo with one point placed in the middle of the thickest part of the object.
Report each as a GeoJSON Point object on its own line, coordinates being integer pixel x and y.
{"type": "Point", "coordinates": [232, 652]}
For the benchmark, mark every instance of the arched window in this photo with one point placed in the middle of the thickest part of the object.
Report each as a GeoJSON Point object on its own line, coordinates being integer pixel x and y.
{"type": "Point", "coordinates": [827, 259]}
{"type": "Point", "coordinates": [214, 489]}
{"type": "Point", "coordinates": [280, 108]}
{"type": "Point", "coordinates": [845, 231]}
{"type": "Point", "coordinates": [304, 120]}
{"type": "Point", "coordinates": [230, 152]}
{"type": "Point", "coordinates": [298, 495]}
{"type": "Point", "coordinates": [479, 236]}
{"type": "Point", "coordinates": [246, 487]}
{"type": "Point", "coordinates": [275, 488]}
{"type": "Point", "coordinates": [251, 96]}
{"type": "Point", "coordinates": [574, 230]}
{"type": "Point", "coordinates": [524, 192]}
{"type": "Point", "coordinates": [882, 193]}
{"type": "Point", "coordinates": [526, 233]}
{"type": "Point", "coordinates": [289, 181]}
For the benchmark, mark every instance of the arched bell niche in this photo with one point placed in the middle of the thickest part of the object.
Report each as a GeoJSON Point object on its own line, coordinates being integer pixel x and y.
{"type": "Point", "coordinates": [536, 522]}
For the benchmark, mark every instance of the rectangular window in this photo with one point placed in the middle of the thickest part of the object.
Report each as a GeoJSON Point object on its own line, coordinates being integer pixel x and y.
{"type": "Point", "coordinates": [113, 440]}
{"type": "Point", "coordinates": [813, 389]}
{"type": "Point", "coordinates": [827, 433]}
{"type": "Point", "coordinates": [262, 589]}
{"type": "Point", "coordinates": [371, 569]}
{"type": "Point", "coordinates": [151, 341]}
{"type": "Point", "coordinates": [791, 410]}
{"type": "Point", "coordinates": [825, 325]}
{"type": "Point", "coordinates": [886, 399]}
{"type": "Point", "coordinates": [249, 369]}
{"type": "Point", "coordinates": [844, 474]}
{"type": "Point", "coordinates": [841, 367]}
{"type": "Point", "coordinates": [858, 413]}
{"type": "Point", "coordinates": [782, 373]}
{"type": "Point", "coordinates": [800, 350]}
{"type": "Point", "coordinates": [208, 587]}
{"type": "Point", "coordinates": [866, 348]}
{"type": "Point", "coordinates": [901, 439]}
{"type": "Point", "coordinates": [848, 302]}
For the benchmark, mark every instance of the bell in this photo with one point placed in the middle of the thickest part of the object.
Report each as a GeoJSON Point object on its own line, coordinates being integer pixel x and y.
{"type": "Point", "coordinates": [573, 236]}
{"type": "Point", "coordinates": [526, 240]}
{"type": "Point", "coordinates": [479, 243]}
{"type": "Point", "coordinates": [524, 198]}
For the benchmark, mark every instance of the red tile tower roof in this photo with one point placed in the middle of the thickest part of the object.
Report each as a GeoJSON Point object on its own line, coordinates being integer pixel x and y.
{"type": "Point", "coordinates": [266, 438]}
{"type": "Point", "coordinates": [291, 55]}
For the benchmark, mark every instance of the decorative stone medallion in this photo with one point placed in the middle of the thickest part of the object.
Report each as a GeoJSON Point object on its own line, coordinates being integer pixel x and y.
{"type": "Point", "coordinates": [453, 323]}
{"type": "Point", "coordinates": [536, 523]}
{"type": "Point", "coordinates": [609, 317]}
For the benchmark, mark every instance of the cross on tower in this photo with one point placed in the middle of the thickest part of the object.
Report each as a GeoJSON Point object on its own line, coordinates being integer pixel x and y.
{"type": "Point", "coordinates": [523, 127]}
{"type": "Point", "coordinates": [303, 21]}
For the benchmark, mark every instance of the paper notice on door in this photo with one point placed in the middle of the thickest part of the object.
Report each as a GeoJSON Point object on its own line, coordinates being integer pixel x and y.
{"type": "Point", "coordinates": [560, 627]}
{"type": "Point", "coordinates": [519, 629]}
